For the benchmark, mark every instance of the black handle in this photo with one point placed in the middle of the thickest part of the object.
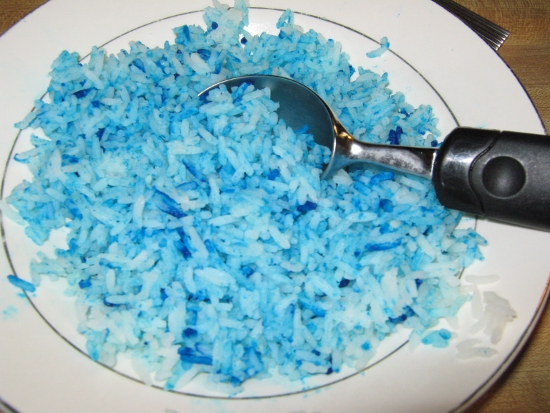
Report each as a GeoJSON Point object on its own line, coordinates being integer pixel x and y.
{"type": "Point", "coordinates": [499, 175]}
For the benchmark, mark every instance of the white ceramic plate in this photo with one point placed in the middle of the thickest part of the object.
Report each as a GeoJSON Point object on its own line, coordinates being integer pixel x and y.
{"type": "Point", "coordinates": [434, 59]}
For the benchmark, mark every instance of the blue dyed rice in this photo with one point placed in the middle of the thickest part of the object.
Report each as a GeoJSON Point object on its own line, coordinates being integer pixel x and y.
{"type": "Point", "coordinates": [22, 284]}
{"type": "Point", "coordinates": [201, 237]}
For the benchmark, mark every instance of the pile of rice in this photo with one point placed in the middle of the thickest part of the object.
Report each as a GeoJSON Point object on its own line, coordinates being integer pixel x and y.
{"type": "Point", "coordinates": [201, 237]}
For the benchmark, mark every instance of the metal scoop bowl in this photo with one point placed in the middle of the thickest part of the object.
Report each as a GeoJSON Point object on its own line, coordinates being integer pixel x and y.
{"type": "Point", "coordinates": [494, 174]}
{"type": "Point", "coordinates": [299, 106]}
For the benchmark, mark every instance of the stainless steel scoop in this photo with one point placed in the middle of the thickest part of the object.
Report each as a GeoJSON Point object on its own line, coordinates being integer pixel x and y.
{"type": "Point", "coordinates": [498, 175]}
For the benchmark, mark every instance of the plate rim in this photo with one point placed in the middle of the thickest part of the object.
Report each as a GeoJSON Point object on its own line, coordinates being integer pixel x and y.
{"type": "Point", "coordinates": [544, 297]}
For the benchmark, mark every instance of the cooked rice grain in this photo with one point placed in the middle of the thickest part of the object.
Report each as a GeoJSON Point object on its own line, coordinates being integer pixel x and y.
{"type": "Point", "coordinates": [201, 237]}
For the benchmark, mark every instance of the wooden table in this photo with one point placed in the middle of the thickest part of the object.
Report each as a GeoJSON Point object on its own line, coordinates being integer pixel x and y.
{"type": "Point", "coordinates": [525, 386]}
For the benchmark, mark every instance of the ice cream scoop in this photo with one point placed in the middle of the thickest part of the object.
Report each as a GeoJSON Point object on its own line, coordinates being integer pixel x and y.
{"type": "Point", "coordinates": [495, 174]}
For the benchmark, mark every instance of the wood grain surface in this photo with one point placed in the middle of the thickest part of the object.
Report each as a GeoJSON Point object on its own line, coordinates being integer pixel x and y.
{"type": "Point", "coordinates": [525, 386]}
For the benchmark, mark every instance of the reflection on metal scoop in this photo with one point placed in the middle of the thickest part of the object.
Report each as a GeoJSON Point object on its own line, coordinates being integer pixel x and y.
{"type": "Point", "coordinates": [300, 106]}
{"type": "Point", "coordinates": [499, 175]}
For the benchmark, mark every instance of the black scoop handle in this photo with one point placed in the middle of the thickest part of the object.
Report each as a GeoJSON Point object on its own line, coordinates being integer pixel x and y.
{"type": "Point", "coordinates": [499, 175]}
